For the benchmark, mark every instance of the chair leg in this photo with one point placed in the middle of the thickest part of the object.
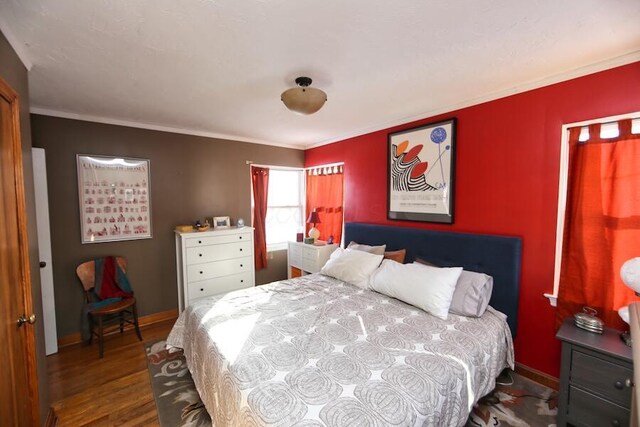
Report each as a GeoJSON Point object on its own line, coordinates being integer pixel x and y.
{"type": "Point", "coordinates": [100, 337]}
{"type": "Point", "coordinates": [121, 322]}
{"type": "Point", "coordinates": [90, 328]}
{"type": "Point", "coordinates": [135, 321]}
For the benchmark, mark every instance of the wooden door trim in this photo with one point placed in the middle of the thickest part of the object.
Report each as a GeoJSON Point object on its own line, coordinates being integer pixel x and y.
{"type": "Point", "coordinates": [12, 97]}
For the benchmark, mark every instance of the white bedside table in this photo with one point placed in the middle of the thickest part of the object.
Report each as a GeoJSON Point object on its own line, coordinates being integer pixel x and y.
{"type": "Point", "coordinates": [307, 258]}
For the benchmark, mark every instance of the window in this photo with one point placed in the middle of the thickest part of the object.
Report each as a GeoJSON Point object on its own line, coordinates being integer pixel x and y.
{"type": "Point", "coordinates": [599, 217]}
{"type": "Point", "coordinates": [285, 207]}
{"type": "Point", "coordinates": [609, 129]}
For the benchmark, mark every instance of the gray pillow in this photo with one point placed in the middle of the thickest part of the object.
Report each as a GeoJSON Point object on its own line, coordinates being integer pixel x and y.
{"type": "Point", "coordinates": [472, 293]}
{"type": "Point", "coordinates": [376, 250]}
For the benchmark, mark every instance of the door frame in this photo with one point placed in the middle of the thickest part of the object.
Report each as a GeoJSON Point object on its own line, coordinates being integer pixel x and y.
{"type": "Point", "coordinates": [30, 342]}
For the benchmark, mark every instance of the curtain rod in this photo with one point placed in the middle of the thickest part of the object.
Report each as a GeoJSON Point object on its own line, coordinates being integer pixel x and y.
{"type": "Point", "coordinates": [250, 163]}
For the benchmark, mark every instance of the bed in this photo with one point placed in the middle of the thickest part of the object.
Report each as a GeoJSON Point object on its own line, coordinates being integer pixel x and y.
{"type": "Point", "coordinates": [316, 351]}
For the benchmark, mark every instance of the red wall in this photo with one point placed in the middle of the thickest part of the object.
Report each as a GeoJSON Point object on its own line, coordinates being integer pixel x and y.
{"type": "Point", "coordinates": [507, 169]}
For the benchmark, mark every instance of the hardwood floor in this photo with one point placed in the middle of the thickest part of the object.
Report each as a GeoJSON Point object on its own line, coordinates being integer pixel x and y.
{"type": "Point", "coordinates": [112, 391]}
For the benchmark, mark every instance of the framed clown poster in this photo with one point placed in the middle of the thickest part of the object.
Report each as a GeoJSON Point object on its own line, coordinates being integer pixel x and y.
{"type": "Point", "coordinates": [421, 172]}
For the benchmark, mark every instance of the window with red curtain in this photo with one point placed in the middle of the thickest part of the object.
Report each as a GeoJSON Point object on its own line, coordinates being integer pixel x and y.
{"type": "Point", "coordinates": [602, 222]}
{"type": "Point", "coordinates": [325, 194]}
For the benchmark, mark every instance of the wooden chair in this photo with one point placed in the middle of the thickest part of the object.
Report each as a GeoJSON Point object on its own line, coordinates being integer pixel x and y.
{"type": "Point", "coordinates": [117, 311]}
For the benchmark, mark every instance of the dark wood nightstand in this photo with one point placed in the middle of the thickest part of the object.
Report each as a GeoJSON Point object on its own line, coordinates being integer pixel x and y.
{"type": "Point", "coordinates": [596, 378]}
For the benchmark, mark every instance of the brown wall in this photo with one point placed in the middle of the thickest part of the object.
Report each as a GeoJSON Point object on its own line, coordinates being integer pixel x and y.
{"type": "Point", "coordinates": [191, 178]}
{"type": "Point", "coordinates": [14, 72]}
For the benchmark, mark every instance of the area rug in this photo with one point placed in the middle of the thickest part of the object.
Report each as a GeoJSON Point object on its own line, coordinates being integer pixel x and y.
{"type": "Point", "coordinates": [516, 401]}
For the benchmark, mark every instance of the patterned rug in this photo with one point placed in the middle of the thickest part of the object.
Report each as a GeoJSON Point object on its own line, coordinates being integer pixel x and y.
{"type": "Point", "coordinates": [516, 401]}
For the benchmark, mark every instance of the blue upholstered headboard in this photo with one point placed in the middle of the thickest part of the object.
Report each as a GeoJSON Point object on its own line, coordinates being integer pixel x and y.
{"type": "Point", "coordinates": [497, 256]}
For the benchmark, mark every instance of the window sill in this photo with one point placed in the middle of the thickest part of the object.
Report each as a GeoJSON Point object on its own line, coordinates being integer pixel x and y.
{"type": "Point", "coordinates": [277, 247]}
{"type": "Point", "coordinates": [553, 299]}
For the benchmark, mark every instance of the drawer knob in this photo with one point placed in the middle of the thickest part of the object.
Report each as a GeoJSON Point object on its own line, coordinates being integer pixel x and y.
{"type": "Point", "coordinates": [240, 237]}
{"type": "Point", "coordinates": [201, 289]}
{"type": "Point", "coordinates": [240, 249]}
{"type": "Point", "coordinates": [241, 281]}
{"type": "Point", "coordinates": [619, 385]}
{"type": "Point", "coordinates": [199, 241]}
{"type": "Point", "coordinates": [240, 265]}
{"type": "Point", "coordinates": [615, 423]}
{"type": "Point", "coordinates": [201, 272]}
{"type": "Point", "coordinates": [199, 254]}
{"type": "Point", "coordinates": [628, 383]}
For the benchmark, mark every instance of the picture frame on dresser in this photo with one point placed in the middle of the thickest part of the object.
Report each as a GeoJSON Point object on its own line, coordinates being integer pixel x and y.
{"type": "Point", "coordinates": [221, 222]}
{"type": "Point", "coordinates": [114, 196]}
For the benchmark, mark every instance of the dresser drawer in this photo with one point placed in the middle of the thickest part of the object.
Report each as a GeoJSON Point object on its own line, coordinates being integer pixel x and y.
{"type": "Point", "coordinates": [219, 285]}
{"type": "Point", "coordinates": [218, 269]}
{"type": "Point", "coordinates": [601, 377]}
{"type": "Point", "coordinates": [192, 242]}
{"type": "Point", "coordinates": [203, 254]}
{"type": "Point", "coordinates": [586, 409]}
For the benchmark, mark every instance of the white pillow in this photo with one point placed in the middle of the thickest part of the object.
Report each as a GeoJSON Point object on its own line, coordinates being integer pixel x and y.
{"type": "Point", "coordinates": [428, 288]}
{"type": "Point", "coordinates": [351, 266]}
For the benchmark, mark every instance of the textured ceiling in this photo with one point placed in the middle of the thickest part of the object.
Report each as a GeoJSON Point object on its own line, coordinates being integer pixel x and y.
{"type": "Point", "coordinates": [218, 67]}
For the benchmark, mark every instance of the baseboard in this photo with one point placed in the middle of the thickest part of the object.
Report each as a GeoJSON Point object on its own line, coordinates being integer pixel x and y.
{"type": "Point", "coordinates": [537, 376]}
{"type": "Point", "coordinates": [51, 419]}
{"type": "Point", "coordinates": [143, 321]}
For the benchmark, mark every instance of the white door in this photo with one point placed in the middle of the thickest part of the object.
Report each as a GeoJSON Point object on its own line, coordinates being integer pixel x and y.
{"type": "Point", "coordinates": [44, 246]}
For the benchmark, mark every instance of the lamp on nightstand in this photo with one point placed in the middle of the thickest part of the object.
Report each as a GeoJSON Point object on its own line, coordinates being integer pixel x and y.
{"type": "Point", "coordinates": [314, 219]}
{"type": "Point", "coordinates": [630, 274]}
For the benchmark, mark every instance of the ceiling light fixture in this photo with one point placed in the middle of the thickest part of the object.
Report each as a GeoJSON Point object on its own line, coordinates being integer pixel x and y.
{"type": "Point", "coordinates": [303, 99]}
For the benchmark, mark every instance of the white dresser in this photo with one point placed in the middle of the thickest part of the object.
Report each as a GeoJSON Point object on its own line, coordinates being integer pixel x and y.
{"type": "Point", "coordinates": [213, 262]}
{"type": "Point", "coordinates": [307, 258]}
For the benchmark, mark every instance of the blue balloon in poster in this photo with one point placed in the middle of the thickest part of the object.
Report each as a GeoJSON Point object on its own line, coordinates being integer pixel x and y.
{"type": "Point", "coordinates": [438, 135]}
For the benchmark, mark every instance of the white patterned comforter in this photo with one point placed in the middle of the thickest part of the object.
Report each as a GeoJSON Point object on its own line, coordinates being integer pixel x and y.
{"type": "Point", "coordinates": [315, 351]}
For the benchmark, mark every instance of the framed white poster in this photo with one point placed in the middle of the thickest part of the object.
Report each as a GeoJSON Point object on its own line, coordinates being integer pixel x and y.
{"type": "Point", "coordinates": [115, 198]}
{"type": "Point", "coordinates": [421, 172]}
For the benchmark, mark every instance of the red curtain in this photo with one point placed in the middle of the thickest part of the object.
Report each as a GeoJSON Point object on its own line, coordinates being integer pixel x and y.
{"type": "Point", "coordinates": [325, 193]}
{"type": "Point", "coordinates": [602, 224]}
{"type": "Point", "coordinates": [260, 185]}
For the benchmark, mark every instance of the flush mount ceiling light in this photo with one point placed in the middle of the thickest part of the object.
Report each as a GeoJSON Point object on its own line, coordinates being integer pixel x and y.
{"type": "Point", "coordinates": [303, 99]}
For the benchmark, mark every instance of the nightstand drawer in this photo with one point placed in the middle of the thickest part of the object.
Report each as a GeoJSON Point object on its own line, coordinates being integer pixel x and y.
{"type": "Point", "coordinates": [601, 377]}
{"type": "Point", "coordinates": [586, 409]}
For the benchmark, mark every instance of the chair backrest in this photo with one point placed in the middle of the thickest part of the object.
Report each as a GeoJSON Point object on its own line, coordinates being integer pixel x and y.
{"type": "Point", "coordinates": [87, 273]}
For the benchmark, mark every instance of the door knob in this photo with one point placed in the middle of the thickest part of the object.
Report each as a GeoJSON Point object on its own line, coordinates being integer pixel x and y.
{"type": "Point", "coordinates": [43, 264]}
{"type": "Point", "coordinates": [23, 319]}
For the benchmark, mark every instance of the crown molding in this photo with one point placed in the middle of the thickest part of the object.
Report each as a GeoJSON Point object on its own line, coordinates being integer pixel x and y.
{"type": "Point", "coordinates": [618, 61]}
{"type": "Point", "coordinates": [18, 47]}
{"type": "Point", "coordinates": [148, 126]}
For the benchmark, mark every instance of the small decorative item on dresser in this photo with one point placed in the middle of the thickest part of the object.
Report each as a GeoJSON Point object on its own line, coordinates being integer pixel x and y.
{"type": "Point", "coordinates": [240, 223]}
{"type": "Point", "coordinates": [220, 222]}
{"type": "Point", "coordinates": [309, 240]}
{"type": "Point", "coordinates": [184, 228]}
{"type": "Point", "coordinates": [630, 275]}
{"type": "Point", "coordinates": [203, 227]}
{"type": "Point", "coordinates": [299, 237]}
